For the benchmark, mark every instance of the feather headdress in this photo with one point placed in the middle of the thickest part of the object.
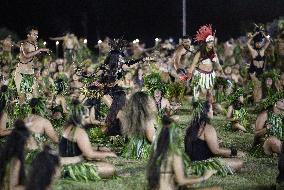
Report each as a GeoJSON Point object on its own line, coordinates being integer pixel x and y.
{"type": "Point", "coordinates": [204, 34]}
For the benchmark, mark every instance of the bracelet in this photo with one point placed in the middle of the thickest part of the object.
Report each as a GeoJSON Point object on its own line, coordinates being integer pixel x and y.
{"type": "Point", "coordinates": [234, 151]}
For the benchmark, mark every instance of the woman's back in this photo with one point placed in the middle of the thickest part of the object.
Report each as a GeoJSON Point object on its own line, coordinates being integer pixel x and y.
{"type": "Point", "coordinates": [167, 175]}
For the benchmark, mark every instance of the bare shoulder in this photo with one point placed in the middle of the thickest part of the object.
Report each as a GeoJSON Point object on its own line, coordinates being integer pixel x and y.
{"type": "Point", "coordinates": [120, 114]}
{"type": "Point", "coordinates": [42, 119]}
{"type": "Point", "coordinates": [80, 132]}
{"type": "Point", "coordinates": [262, 115]}
{"type": "Point", "coordinates": [209, 128]}
{"type": "Point", "coordinates": [179, 50]}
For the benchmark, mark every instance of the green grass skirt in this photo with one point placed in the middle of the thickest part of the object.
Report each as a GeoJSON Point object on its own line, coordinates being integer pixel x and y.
{"type": "Point", "coordinates": [137, 148]}
{"type": "Point", "coordinates": [84, 171]}
{"type": "Point", "coordinates": [199, 167]}
{"type": "Point", "coordinates": [27, 82]}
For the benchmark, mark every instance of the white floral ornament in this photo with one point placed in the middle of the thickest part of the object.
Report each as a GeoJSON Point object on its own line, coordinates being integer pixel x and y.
{"type": "Point", "coordinates": [209, 38]}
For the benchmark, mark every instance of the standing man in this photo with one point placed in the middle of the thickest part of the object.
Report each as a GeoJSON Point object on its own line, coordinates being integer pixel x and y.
{"type": "Point", "coordinates": [70, 46]}
{"type": "Point", "coordinates": [24, 73]}
{"type": "Point", "coordinates": [180, 58]}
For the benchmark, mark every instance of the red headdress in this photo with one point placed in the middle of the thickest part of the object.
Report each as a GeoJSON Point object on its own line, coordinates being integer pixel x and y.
{"type": "Point", "coordinates": [204, 34]}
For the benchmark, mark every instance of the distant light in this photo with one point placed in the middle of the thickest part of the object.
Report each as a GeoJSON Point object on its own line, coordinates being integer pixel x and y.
{"type": "Point", "coordinates": [100, 41]}
{"type": "Point", "coordinates": [57, 43]}
{"type": "Point", "coordinates": [85, 41]}
{"type": "Point", "coordinates": [171, 40]}
{"type": "Point", "coordinates": [268, 36]}
{"type": "Point", "coordinates": [44, 43]}
{"type": "Point", "coordinates": [157, 39]}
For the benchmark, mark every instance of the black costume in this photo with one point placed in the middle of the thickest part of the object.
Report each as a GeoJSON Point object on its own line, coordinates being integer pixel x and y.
{"type": "Point", "coordinates": [198, 150]}
{"type": "Point", "coordinates": [68, 148]}
{"type": "Point", "coordinates": [253, 68]}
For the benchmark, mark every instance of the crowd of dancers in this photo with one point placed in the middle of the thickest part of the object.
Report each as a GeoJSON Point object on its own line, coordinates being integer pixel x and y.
{"type": "Point", "coordinates": [63, 117]}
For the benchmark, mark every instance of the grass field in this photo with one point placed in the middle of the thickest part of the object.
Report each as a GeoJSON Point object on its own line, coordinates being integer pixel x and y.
{"type": "Point", "coordinates": [258, 173]}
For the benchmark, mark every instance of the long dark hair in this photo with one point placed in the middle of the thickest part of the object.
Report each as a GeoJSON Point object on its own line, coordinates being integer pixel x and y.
{"type": "Point", "coordinates": [158, 156]}
{"type": "Point", "coordinates": [204, 54]}
{"type": "Point", "coordinates": [199, 121]}
{"type": "Point", "coordinates": [137, 112]}
{"type": "Point", "coordinates": [14, 148]}
{"type": "Point", "coordinates": [43, 169]}
{"type": "Point", "coordinates": [76, 114]}
{"type": "Point", "coordinates": [119, 99]}
{"type": "Point", "coordinates": [3, 100]}
{"type": "Point", "coordinates": [280, 177]}
{"type": "Point", "coordinates": [37, 105]}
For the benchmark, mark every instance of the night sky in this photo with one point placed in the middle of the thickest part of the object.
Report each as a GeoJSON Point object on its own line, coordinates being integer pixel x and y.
{"type": "Point", "coordinates": [143, 19]}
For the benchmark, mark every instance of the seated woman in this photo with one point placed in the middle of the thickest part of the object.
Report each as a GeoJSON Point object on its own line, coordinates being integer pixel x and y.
{"type": "Point", "coordinates": [12, 168]}
{"type": "Point", "coordinates": [59, 106]}
{"type": "Point", "coordinates": [221, 91]}
{"type": "Point", "coordinates": [44, 169]}
{"type": "Point", "coordinates": [165, 168]}
{"type": "Point", "coordinates": [237, 114]}
{"type": "Point", "coordinates": [39, 126]}
{"type": "Point", "coordinates": [268, 127]}
{"type": "Point", "coordinates": [228, 79]}
{"type": "Point", "coordinates": [46, 82]}
{"type": "Point", "coordinates": [163, 105]}
{"type": "Point", "coordinates": [75, 147]}
{"type": "Point", "coordinates": [268, 88]}
{"type": "Point", "coordinates": [201, 141]}
{"type": "Point", "coordinates": [138, 118]}
{"type": "Point", "coordinates": [76, 84]}
{"type": "Point", "coordinates": [236, 76]}
{"type": "Point", "coordinates": [3, 115]}
{"type": "Point", "coordinates": [60, 74]}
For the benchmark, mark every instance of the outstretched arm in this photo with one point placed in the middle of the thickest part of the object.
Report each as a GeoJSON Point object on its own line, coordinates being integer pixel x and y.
{"type": "Point", "coordinates": [28, 54]}
{"type": "Point", "coordinates": [267, 42]}
{"type": "Point", "coordinates": [249, 42]}
{"type": "Point", "coordinates": [87, 149]}
{"type": "Point", "coordinates": [212, 142]}
{"type": "Point", "coordinates": [133, 61]}
{"type": "Point", "coordinates": [58, 38]}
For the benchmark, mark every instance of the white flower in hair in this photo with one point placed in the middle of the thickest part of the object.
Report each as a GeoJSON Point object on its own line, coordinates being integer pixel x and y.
{"type": "Point", "coordinates": [209, 38]}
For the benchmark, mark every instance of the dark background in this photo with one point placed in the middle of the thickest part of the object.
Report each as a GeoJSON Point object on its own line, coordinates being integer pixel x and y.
{"type": "Point", "coordinates": [143, 19]}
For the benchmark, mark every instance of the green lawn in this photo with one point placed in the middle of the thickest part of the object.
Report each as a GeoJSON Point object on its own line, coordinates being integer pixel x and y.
{"type": "Point", "coordinates": [258, 173]}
